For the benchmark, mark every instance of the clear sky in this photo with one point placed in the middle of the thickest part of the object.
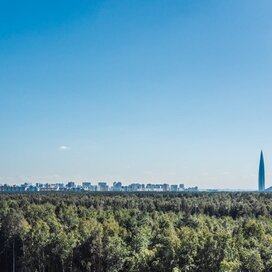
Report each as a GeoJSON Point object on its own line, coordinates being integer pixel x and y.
{"type": "Point", "coordinates": [136, 91]}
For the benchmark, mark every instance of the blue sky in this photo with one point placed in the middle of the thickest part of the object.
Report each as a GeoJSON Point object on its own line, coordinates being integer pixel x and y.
{"type": "Point", "coordinates": [137, 91]}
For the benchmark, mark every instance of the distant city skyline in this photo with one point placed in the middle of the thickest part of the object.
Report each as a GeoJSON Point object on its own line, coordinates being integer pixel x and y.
{"type": "Point", "coordinates": [144, 91]}
{"type": "Point", "coordinates": [99, 187]}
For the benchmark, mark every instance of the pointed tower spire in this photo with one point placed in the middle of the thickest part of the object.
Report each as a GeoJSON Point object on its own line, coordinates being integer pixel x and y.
{"type": "Point", "coordinates": [261, 173]}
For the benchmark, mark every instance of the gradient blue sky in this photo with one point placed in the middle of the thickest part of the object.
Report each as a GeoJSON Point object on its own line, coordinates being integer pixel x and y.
{"type": "Point", "coordinates": [137, 91]}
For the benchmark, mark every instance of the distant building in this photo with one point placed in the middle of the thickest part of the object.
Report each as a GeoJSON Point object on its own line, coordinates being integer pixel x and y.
{"type": "Point", "coordinates": [60, 185]}
{"type": "Point", "coordinates": [86, 186]}
{"type": "Point", "coordinates": [125, 188]}
{"type": "Point", "coordinates": [32, 188]}
{"type": "Point", "coordinates": [192, 189]}
{"type": "Point", "coordinates": [174, 188]}
{"type": "Point", "coordinates": [135, 187]}
{"type": "Point", "coordinates": [181, 187]}
{"type": "Point", "coordinates": [261, 181]}
{"type": "Point", "coordinates": [12, 188]}
{"type": "Point", "coordinates": [153, 187]}
{"type": "Point", "coordinates": [165, 187]}
{"type": "Point", "coordinates": [71, 184]}
{"type": "Point", "coordinates": [103, 186]}
{"type": "Point", "coordinates": [117, 186]}
{"type": "Point", "coordinates": [76, 189]}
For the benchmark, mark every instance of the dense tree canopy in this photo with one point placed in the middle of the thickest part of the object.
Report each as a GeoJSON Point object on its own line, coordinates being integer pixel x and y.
{"type": "Point", "coordinates": [136, 232]}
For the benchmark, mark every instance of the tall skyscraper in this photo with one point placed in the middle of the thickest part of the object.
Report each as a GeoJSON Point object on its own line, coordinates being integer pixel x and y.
{"type": "Point", "coordinates": [261, 174]}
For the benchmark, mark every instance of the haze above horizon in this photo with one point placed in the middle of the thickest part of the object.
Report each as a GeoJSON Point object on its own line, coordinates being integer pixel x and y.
{"type": "Point", "coordinates": [136, 91]}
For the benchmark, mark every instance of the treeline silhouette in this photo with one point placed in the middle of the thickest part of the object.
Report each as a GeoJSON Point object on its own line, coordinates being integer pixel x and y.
{"type": "Point", "coordinates": [101, 232]}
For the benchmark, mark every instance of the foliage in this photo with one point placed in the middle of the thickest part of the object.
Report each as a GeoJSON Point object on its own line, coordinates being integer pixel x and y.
{"type": "Point", "coordinates": [146, 232]}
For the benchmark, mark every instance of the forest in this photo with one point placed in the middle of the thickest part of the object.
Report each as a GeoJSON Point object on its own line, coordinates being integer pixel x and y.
{"type": "Point", "coordinates": [148, 232]}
